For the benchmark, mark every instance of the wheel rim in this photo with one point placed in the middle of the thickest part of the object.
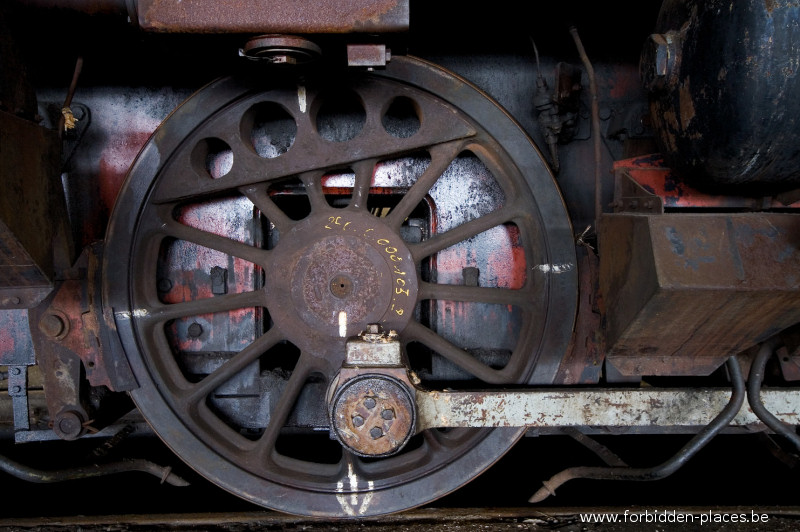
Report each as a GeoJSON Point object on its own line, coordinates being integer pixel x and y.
{"type": "Point", "coordinates": [308, 277]}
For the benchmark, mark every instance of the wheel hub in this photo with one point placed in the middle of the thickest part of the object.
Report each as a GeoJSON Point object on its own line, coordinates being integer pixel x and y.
{"type": "Point", "coordinates": [344, 272]}
{"type": "Point", "coordinates": [373, 415]}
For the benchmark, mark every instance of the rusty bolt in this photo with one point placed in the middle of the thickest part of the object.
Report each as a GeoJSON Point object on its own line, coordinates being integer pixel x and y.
{"type": "Point", "coordinates": [68, 425]}
{"type": "Point", "coordinates": [195, 330]}
{"type": "Point", "coordinates": [52, 326]}
{"type": "Point", "coordinates": [372, 399]}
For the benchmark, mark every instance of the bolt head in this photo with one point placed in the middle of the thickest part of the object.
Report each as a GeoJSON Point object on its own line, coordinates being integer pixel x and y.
{"type": "Point", "coordinates": [387, 414]}
{"type": "Point", "coordinates": [370, 403]}
{"type": "Point", "coordinates": [52, 325]}
{"type": "Point", "coordinates": [195, 330]}
{"type": "Point", "coordinates": [11, 301]}
{"type": "Point", "coordinates": [358, 421]}
{"type": "Point", "coordinates": [68, 425]}
{"type": "Point", "coordinates": [376, 432]}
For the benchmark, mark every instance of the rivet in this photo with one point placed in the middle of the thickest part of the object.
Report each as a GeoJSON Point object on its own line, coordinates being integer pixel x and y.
{"type": "Point", "coordinates": [195, 330]}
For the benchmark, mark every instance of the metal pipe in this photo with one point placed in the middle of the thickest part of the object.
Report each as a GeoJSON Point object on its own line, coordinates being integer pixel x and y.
{"type": "Point", "coordinates": [47, 477]}
{"type": "Point", "coordinates": [754, 381]}
{"type": "Point", "coordinates": [598, 186]}
{"type": "Point", "coordinates": [670, 466]}
{"type": "Point", "coordinates": [603, 452]}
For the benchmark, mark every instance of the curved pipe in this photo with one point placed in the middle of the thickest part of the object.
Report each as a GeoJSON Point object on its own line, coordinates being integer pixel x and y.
{"type": "Point", "coordinates": [754, 396]}
{"type": "Point", "coordinates": [47, 477]}
{"type": "Point", "coordinates": [670, 466]}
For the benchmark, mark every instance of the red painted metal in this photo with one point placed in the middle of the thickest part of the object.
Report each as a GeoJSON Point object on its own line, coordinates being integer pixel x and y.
{"type": "Point", "coordinates": [651, 172]}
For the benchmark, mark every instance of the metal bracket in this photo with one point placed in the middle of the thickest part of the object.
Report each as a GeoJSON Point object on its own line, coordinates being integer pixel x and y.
{"type": "Point", "coordinates": [369, 56]}
{"type": "Point", "coordinates": [18, 391]}
{"type": "Point", "coordinates": [630, 196]}
{"type": "Point", "coordinates": [371, 400]}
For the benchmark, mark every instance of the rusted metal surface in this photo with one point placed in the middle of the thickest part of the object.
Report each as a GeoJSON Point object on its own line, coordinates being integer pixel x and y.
{"type": "Point", "coordinates": [683, 293]}
{"type": "Point", "coordinates": [642, 407]}
{"type": "Point", "coordinates": [250, 16]}
{"type": "Point", "coordinates": [367, 55]}
{"type": "Point", "coordinates": [374, 347]}
{"type": "Point", "coordinates": [669, 190]}
{"type": "Point", "coordinates": [583, 362]}
{"type": "Point", "coordinates": [373, 415]}
{"type": "Point", "coordinates": [70, 324]}
{"type": "Point", "coordinates": [29, 242]}
{"type": "Point", "coordinates": [61, 372]}
{"type": "Point", "coordinates": [371, 401]}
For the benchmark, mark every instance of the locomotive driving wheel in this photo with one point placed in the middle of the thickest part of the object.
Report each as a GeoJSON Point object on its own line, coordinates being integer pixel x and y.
{"type": "Point", "coordinates": [266, 222]}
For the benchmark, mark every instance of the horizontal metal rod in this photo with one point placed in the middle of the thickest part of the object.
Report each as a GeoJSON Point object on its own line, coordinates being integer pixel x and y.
{"type": "Point", "coordinates": [646, 407]}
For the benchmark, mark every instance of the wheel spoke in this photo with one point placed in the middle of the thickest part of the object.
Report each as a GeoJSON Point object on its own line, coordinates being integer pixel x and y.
{"type": "Point", "coordinates": [313, 184]}
{"type": "Point", "coordinates": [464, 231]}
{"type": "Point", "coordinates": [442, 156]}
{"type": "Point", "coordinates": [257, 194]}
{"type": "Point", "coordinates": [475, 294]}
{"type": "Point", "coordinates": [233, 366]}
{"type": "Point", "coordinates": [209, 240]}
{"type": "Point", "coordinates": [278, 417]}
{"type": "Point", "coordinates": [364, 172]}
{"type": "Point", "coordinates": [162, 313]}
{"type": "Point", "coordinates": [456, 355]}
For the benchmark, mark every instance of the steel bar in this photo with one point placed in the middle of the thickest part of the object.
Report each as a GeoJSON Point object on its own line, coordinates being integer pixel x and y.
{"type": "Point", "coordinates": [706, 434]}
{"type": "Point", "coordinates": [645, 407]}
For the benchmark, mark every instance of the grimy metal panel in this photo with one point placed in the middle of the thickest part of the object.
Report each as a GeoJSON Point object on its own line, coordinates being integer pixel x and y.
{"type": "Point", "coordinates": [684, 293]}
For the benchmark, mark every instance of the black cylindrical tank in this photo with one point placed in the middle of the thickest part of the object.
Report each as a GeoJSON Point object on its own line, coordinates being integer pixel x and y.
{"type": "Point", "coordinates": [724, 81]}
